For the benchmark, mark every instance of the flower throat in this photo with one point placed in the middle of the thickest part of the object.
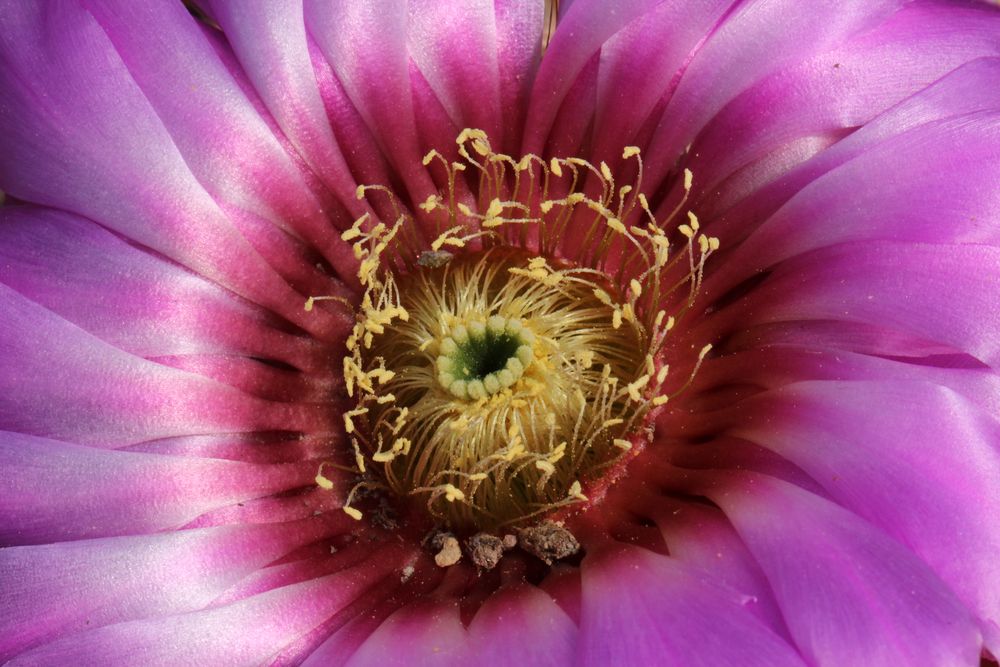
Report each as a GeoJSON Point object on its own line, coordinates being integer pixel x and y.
{"type": "Point", "coordinates": [499, 374]}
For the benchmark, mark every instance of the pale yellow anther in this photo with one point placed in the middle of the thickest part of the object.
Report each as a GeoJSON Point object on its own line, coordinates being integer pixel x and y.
{"type": "Point", "coordinates": [636, 288]}
{"type": "Point", "coordinates": [576, 491]}
{"type": "Point", "coordinates": [606, 171]}
{"type": "Point", "coordinates": [616, 318]}
{"type": "Point", "coordinates": [608, 423]}
{"type": "Point", "coordinates": [695, 225]}
{"type": "Point", "coordinates": [360, 192]}
{"type": "Point", "coordinates": [634, 388]}
{"type": "Point", "coordinates": [630, 151]}
{"type": "Point", "coordinates": [628, 312]}
{"type": "Point", "coordinates": [452, 493]}
{"type": "Point", "coordinates": [661, 375]}
{"type": "Point", "coordinates": [660, 400]}
{"type": "Point", "coordinates": [481, 147]}
{"type": "Point", "coordinates": [688, 179]}
{"type": "Point", "coordinates": [322, 481]}
{"type": "Point", "coordinates": [430, 203]}
{"type": "Point", "coordinates": [353, 513]}
{"type": "Point", "coordinates": [616, 226]}
{"type": "Point", "coordinates": [545, 467]}
{"type": "Point", "coordinates": [555, 167]}
{"type": "Point", "coordinates": [621, 443]}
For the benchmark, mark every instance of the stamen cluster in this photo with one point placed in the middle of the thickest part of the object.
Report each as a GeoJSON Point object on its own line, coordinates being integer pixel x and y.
{"type": "Point", "coordinates": [503, 380]}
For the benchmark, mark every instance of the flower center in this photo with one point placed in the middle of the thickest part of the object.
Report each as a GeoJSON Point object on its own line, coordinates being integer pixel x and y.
{"type": "Point", "coordinates": [481, 355]}
{"type": "Point", "coordinates": [499, 383]}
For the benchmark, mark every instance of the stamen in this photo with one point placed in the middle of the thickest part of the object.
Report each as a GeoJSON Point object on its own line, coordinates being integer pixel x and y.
{"type": "Point", "coordinates": [495, 379]}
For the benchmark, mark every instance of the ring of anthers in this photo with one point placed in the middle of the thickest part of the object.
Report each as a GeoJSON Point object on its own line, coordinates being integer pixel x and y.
{"type": "Point", "coordinates": [492, 378]}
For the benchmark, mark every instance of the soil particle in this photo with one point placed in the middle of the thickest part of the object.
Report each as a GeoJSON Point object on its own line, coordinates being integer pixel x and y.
{"type": "Point", "coordinates": [485, 550]}
{"type": "Point", "coordinates": [548, 541]}
{"type": "Point", "coordinates": [446, 549]}
{"type": "Point", "coordinates": [434, 259]}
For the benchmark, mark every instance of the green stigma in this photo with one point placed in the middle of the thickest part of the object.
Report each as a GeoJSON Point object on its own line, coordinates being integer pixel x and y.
{"type": "Point", "coordinates": [481, 358]}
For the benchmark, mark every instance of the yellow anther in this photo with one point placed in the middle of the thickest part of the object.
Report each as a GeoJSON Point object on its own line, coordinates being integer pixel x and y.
{"type": "Point", "coordinates": [430, 203]}
{"type": "Point", "coordinates": [695, 225]}
{"type": "Point", "coordinates": [545, 467]}
{"type": "Point", "coordinates": [688, 179]}
{"type": "Point", "coordinates": [606, 171]}
{"type": "Point", "coordinates": [576, 491]}
{"type": "Point", "coordinates": [555, 167]}
{"type": "Point", "coordinates": [602, 296]}
{"type": "Point", "coordinates": [636, 288]}
{"type": "Point", "coordinates": [630, 151]}
{"type": "Point", "coordinates": [323, 482]}
{"type": "Point", "coordinates": [353, 513]}
{"type": "Point", "coordinates": [451, 493]}
{"type": "Point", "coordinates": [621, 443]}
{"type": "Point", "coordinates": [634, 388]}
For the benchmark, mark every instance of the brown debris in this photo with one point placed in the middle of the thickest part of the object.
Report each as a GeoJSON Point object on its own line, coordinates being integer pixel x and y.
{"type": "Point", "coordinates": [434, 259]}
{"type": "Point", "coordinates": [548, 541]}
{"type": "Point", "coordinates": [485, 550]}
{"type": "Point", "coordinates": [446, 548]}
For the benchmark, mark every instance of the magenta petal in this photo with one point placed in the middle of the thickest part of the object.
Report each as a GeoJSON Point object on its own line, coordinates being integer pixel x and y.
{"type": "Point", "coordinates": [224, 140]}
{"type": "Point", "coordinates": [272, 46]}
{"type": "Point", "coordinates": [226, 635]}
{"type": "Point", "coordinates": [850, 594]}
{"type": "Point", "coordinates": [640, 608]}
{"type": "Point", "coordinates": [103, 493]}
{"type": "Point", "coordinates": [924, 471]}
{"type": "Point", "coordinates": [130, 298]}
{"type": "Point", "coordinates": [365, 43]}
{"type": "Point", "coordinates": [842, 89]}
{"type": "Point", "coordinates": [80, 135]}
{"type": "Point", "coordinates": [757, 37]}
{"type": "Point", "coordinates": [61, 588]}
{"type": "Point", "coordinates": [522, 626]}
{"type": "Point", "coordinates": [943, 293]}
{"type": "Point", "coordinates": [418, 634]}
{"type": "Point", "coordinates": [468, 87]}
{"type": "Point", "coordinates": [583, 28]}
{"type": "Point", "coordinates": [910, 206]}
{"type": "Point", "coordinates": [68, 385]}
